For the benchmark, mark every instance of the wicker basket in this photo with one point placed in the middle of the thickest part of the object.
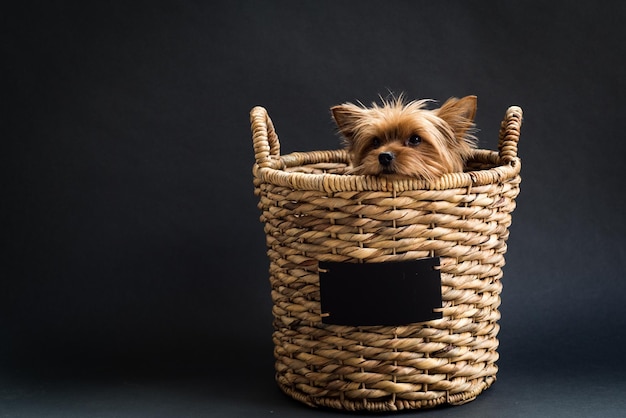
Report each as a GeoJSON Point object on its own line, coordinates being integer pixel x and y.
{"type": "Point", "coordinates": [313, 212]}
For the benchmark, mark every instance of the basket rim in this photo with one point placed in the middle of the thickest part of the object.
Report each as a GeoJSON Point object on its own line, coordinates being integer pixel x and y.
{"type": "Point", "coordinates": [275, 173]}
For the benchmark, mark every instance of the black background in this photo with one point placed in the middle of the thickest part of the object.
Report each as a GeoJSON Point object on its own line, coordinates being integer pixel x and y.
{"type": "Point", "coordinates": [134, 282]}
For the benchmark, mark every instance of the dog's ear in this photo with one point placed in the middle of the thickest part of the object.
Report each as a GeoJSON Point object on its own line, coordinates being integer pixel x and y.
{"type": "Point", "coordinates": [347, 116]}
{"type": "Point", "coordinates": [459, 114]}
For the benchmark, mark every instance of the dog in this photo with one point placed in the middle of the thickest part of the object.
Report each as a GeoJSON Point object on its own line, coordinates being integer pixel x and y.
{"type": "Point", "coordinates": [405, 139]}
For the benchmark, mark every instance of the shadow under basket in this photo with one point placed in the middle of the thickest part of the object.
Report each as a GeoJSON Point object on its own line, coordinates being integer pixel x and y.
{"type": "Point", "coordinates": [313, 212]}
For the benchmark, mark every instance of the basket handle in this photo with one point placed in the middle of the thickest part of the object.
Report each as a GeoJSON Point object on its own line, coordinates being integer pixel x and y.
{"type": "Point", "coordinates": [264, 137]}
{"type": "Point", "coordinates": [509, 134]}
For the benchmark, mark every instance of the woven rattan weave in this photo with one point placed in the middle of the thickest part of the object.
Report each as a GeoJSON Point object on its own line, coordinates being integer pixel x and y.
{"type": "Point", "coordinates": [314, 212]}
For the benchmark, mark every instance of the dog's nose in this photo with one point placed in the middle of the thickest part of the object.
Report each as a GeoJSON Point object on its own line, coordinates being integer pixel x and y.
{"type": "Point", "coordinates": [385, 158]}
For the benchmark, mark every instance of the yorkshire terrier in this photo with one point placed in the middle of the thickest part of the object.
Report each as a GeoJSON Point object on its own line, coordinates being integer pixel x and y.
{"type": "Point", "coordinates": [404, 139]}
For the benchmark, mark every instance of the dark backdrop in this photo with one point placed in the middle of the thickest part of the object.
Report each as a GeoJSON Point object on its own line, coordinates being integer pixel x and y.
{"type": "Point", "coordinates": [134, 246]}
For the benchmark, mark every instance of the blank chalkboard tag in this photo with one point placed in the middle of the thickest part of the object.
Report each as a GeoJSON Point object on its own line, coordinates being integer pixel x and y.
{"type": "Point", "coordinates": [393, 293]}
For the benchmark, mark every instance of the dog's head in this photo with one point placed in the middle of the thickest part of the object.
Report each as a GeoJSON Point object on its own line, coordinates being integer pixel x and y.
{"type": "Point", "coordinates": [401, 138]}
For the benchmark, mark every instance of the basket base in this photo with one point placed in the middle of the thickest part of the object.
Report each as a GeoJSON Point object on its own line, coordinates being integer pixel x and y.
{"type": "Point", "coordinates": [386, 406]}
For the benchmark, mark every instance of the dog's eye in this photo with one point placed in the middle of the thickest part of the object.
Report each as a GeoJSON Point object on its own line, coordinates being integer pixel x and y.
{"type": "Point", "coordinates": [376, 142]}
{"type": "Point", "coordinates": [414, 140]}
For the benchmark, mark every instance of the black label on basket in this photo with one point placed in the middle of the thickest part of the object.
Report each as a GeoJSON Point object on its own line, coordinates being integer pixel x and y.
{"type": "Point", "coordinates": [394, 293]}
